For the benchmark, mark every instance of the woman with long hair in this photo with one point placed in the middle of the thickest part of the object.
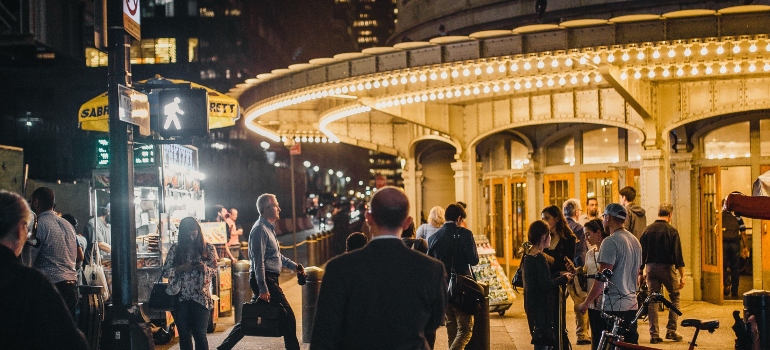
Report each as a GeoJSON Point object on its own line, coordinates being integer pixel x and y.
{"type": "Point", "coordinates": [595, 234]}
{"type": "Point", "coordinates": [562, 249]}
{"type": "Point", "coordinates": [541, 290]}
{"type": "Point", "coordinates": [435, 221]}
{"type": "Point", "coordinates": [190, 267]}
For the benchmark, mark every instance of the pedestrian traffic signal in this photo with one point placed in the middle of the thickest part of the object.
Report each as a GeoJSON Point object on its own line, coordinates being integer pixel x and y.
{"type": "Point", "coordinates": [182, 113]}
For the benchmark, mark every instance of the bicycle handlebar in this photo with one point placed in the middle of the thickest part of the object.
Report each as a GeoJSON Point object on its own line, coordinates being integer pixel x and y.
{"type": "Point", "coordinates": [657, 297]}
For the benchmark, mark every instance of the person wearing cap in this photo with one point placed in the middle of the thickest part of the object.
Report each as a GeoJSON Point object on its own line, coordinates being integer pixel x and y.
{"type": "Point", "coordinates": [620, 253]}
{"type": "Point", "coordinates": [97, 231]}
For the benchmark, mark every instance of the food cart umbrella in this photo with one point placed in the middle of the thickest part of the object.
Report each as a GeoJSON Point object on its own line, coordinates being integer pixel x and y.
{"type": "Point", "coordinates": [224, 110]}
{"type": "Point", "coordinates": [762, 185]}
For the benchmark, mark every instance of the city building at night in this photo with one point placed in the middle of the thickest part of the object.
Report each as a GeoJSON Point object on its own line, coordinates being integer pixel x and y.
{"type": "Point", "coordinates": [509, 110]}
{"type": "Point", "coordinates": [369, 22]}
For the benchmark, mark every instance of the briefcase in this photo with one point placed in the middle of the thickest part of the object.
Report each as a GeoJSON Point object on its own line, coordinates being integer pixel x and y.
{"type": "Point", "coordinates": [262, 319]}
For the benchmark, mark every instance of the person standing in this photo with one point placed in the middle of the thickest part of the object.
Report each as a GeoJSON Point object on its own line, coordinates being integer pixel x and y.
{"type": "Point", "coordinates": [571, 209]}
{"type": "Point", "coordinates": [224, 216]}
{"type": "Point", "coordinates": [32, 312]}
{"type": "Point", "coordinates": [620, 253]}
{"type": "Point", "coordinates": [384, 295]}
{"type": "Point", "coordinates": [409, 239]}
{"type": "Point", "coordinates": [190, 267]}
{"type": "Point", "coordinates": [733, 231]}
{"type": "Point", "coordinates": [562, 250]}
{"type": "Point", "coordinates": [541, 290]}
{"type": "Point", "coordinates": [237, 229]}
{"type": "Point", "coordinates": [57, 254]}
{"type": "Point", "coordinates": [266, 263]}
{"type": "Point", "coordinates": [97, 231]}
{"type": "Point", "coordinates": [661, 258]}
{"type": "Point", "coordinates": [592, 211]}
{"type": "Point", "coordinates": [454, 243]}
{"type": "Point", "coordinates": [636, 222]}
{"type": "Point", "coordinates": [341, 223]}
{"type": "Point", "coordinates": [435, 221]}
{"type": "Point", "coordinates": [595, 234]}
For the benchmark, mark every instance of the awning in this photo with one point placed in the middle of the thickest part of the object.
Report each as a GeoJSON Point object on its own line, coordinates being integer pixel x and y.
{"type": "Point", "coordinates": [224, 110]}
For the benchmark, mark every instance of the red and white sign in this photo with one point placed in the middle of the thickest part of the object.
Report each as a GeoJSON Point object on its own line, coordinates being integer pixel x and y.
{"type": "Point", "coordinates": [132, 18]}
{"type": "Point", "coordinates": [295, 149]}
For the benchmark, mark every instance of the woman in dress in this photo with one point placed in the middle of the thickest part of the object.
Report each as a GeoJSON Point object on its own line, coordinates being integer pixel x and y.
{"type": "Point", "coordinates": [541, 290]}
{"type": "Point", "coordinates": [435, 221]}
{"type": "Point", "coordinates": [190, 267]}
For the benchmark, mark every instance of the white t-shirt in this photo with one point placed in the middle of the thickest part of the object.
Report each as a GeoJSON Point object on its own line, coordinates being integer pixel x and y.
{"type": "Point", "coordinates": [592, 267]}
{"type": "Point", "coordinates": [623, 251]}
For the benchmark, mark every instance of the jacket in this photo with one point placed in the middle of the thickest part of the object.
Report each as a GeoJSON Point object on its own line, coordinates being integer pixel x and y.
{"type": "Point", "coordinates": [636, 221]}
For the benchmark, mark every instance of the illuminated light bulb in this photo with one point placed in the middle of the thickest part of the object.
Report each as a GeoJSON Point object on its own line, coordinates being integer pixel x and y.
{"type": "Point", "coordinates": [597, 59]}
{"type": "Point", "coordinates": [410, 100]}
{"type": "Point", "coordinates": [486, 89]}
{"type": "Point", "coordinates": [539, 83]}
{"type": "Point", "coordinates": [501, 69]}
{"type": "Point", "coordinates": [680, 72]}
{"type": "Point", "coordinates": [671, 52]}
{"type": "Point", "coordinates": [540, 64]}
{"type": "Point", "coordinates": [694, 71]}
{"type": "Point", "coordinates": [687, 52]}
{"type": "Point", "coordinates": [736, 48]}
{"type": "Point", "coordinates": [709, 70]}
{"type": "Point", "coordinates": [623, 76]}
{"type": "Point", "coordinates": [396, 102]}
{"type": "Point", "coordinates": [444, 75]}
{"type": "Point", "coordinates": [337, 91]}
{"type": "Point", "coordinates": [625, 56]}
{"type": "Point", "coordinates": [490, 70]}
{"type": "Point", "coordinates": [651, 74]}
{"type": "Point", "coordinates": [390, 103]}
{"type": "Point", "coordinates": [432, 96]}
{"type": "Point", "coordinates": [376, 84]}
{"type": "Point", "coordinates": [457, 93]}
{"type": "Point", "coordinates": [656, 54]}
{"type": "Point", "coordinates": [507, 87]}
{"type": "Point", "coordinates": [423, 77]}
{"type": "Point", "coordinates": [611, 58]}
{"type": "Point", "coordinates": [723, 69]}
{"type": "Point", "coordinates": [640, 55]}
{"type": "Point", "coordinates": [403, 101]}
{"type": "Point", "coordinates": [527, 65]}
{"type": "Point", "coordinates": [528, 84]}
{"type": "Point", "coordinates": [583, 60]}
{"type": "Point", "coordinates": [378, 105]}
{"type": "Point", "coordinates": [568, 61]}
{"type": "Point", "coordinates": [394, 81]}
{"type": "Point", "coordinates": [476, 71]}
{"type": "Point", "coordinates": [297, 139]}
{"type": "Point", "coordinates": [554, 63]}
{"type": "Point", "coordinates": [440, 95]}
{"type": "Point", "coordinates": [598, 78]}
{"type": "Point", "coordinates": [666, 73]}
{"type": "Point", "coordinates": [767, 48]}
{"type": "Point", "coordinates": [586, 79]}
{"type": "Point", "coordinates": [455, 74]}
{"type": "Point", "coordinates": [562, 81]}
{"type": "Point", "coordinates": [424, 97]}
{"type": "Point", "coordinates": [752, 68]}
{"type": "Point", "coordinates": [412, 80]}
{"type": "Point", "coordinates": [352, 88]}
{"type": "Point", "coordinates": [550, 82]}
{"type": "Point", "coordinates": [403, 80]}
{"type": "Point", "coordinates": [720, 50]}
{"type": "Point", "coordinates": [361, 86]}
{"type": "Point", "coordinates": [704, 51]}
{"type": "Point", "coordinates": [304, 138]}
{"type": "Point", "coordinates": [737, 68]}
{"type": "Point", "coordinates": [514, 67]}
{"type": "Point", "coordinates": [637, 75]}
{"type": "Point", "coordinates": [466, 72]}
{"type": "Point", "coordinates": [433, 76]}
{"type": "Point", "coordinates": [324, 93]}
{"type": "Point", "coordinates": [496, 88]}
{"type": "Point", "coordinates": [476, 90]}
{"type": "Point", "coordinates": [467, 92]}
{"type": "Point", "coordinates": [573, 80]}
{"type": "Point", "coordinates": [344, 89]}
{"type": "Point", "coordinates": [385, 83]}
{"type": "Point", "coordinates": [767, 67]}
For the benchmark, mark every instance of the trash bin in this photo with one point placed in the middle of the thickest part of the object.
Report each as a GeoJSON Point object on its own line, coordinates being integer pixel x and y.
{"type": "Point", "coordinates": [241, 289]}
{"type": "Point", "coordinates": [757, 303]}
{"type": "Point", "coordinates": [480, 336]}
{"type": "Point", "coordinates": [309, 299]}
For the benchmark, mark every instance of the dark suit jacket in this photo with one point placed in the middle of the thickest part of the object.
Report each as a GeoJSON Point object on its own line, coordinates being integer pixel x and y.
{"type": "Point", "coordinates": [441, 245]}
{"type": "Point", "coordinates": [382, 296]}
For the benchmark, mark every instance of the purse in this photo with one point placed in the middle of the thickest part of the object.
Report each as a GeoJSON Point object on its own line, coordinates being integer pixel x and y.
{"type": "Point", "coordinates": [94, 272]}
{"type": "Point", "coordinates": [464, 292]}
{"type": "Point", "coordinates": [262, 319]}
{"type": "Point", "coordinates": [518, 281]}
{"type": "Point", "coordinates": [159, 298]}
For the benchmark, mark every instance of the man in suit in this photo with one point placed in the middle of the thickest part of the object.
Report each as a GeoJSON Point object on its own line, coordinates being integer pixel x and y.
{"type": "Point", "coordinates": [461, 257]}
{"type": "Point", "coordinates": [384, 295]}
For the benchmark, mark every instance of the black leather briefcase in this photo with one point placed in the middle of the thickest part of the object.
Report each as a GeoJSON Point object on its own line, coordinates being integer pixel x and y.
{"type": "Point", "coordinates": [262, 319]}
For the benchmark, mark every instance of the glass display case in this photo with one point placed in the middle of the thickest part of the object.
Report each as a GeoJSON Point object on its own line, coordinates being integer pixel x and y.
{"type": "Point", "coordinates": [489, 271]}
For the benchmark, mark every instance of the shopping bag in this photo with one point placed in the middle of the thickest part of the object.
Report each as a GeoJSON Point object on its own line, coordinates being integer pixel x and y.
{"type": "Point", "coordinates": [262, 319]}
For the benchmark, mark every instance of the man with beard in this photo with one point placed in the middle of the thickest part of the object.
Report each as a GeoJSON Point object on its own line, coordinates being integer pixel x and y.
{"type": "Point", "coordinates": [592, 211]}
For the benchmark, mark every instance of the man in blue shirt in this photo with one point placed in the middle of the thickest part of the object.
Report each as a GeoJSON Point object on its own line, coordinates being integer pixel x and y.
{"type": "Point", "coordinates": [266, 263]}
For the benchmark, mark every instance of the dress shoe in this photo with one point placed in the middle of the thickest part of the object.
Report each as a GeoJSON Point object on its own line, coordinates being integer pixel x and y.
{"type": "Point", "coordinates": [673, 336]}
{"type": "Point", "coordinates": [584, 342]}
{"type": "Point", "coordinates": [655, 340]}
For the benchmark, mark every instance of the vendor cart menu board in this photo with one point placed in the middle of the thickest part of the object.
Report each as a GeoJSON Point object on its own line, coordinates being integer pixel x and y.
{"type": "Point", "coordinates": [214, 232]}
{"type": "Point", "coordinates": [490, 272]}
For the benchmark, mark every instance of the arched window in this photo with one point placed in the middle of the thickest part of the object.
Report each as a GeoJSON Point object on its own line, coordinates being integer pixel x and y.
{"type": "Point", "coordinates": [519, 155]}
{"type": "Point", "coordinates": [561, 152]}
{"type": "Point", "coordinates": [601, 146]}
{"type": "Point", "coordinates": [728, 142]}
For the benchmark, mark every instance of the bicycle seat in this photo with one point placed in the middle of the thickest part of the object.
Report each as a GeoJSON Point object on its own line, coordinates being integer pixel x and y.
{"type": "Point", "coordinates": [709, 325]}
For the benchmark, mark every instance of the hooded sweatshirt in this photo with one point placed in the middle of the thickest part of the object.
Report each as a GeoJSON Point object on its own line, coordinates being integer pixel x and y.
{"type": "Point", "coordinates": [636, 221]}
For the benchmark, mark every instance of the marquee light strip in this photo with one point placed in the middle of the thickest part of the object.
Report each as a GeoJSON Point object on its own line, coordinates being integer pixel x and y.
{"type": "Point", "coordinates": [337, 115]}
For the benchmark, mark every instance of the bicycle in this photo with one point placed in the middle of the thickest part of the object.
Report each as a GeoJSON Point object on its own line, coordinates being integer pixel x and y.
{"type": "Point", "coordinates": [612, 340]}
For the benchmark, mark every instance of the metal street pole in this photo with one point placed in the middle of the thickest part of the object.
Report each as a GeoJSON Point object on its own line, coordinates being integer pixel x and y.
{"type": "Point", "coordinates": [293, 207]}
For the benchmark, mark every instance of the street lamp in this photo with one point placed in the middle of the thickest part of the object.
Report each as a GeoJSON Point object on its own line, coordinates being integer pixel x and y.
{"type": "Point", "coordinates": [316, 168]}
{"type": "Point", "coordinates": [306, 164]}
{"type": "Point", "coordinates": [331, 172]}
{"type": "Point", "coordinates": [339, 174]}
{"type": "Point", "coordinates": [265, 145]}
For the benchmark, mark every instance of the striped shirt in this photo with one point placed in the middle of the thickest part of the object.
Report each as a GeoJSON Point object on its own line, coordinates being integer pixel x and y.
{"type": "Point", "coordinates": [57, 253]}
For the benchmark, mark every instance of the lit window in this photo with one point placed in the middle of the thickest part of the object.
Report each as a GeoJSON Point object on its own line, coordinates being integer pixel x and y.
{"type": "Point", "coordinates": [154, 51]}
{"type": "Point", "coordinates": [95, 58]}
{"type": "Point", "coordinates": [204, 12]}
{"type": "Point", "coordinates": [192, 50]}
{"type": "Point", "coordinates": [363, 15]}
{"type": "Point", "coordinates": [601, 146]}
{"type": "Point", "coordinates": [561, 152]}
{"type": "Point", "coordinates": [728, 142]}
{"type": "Point", "coordinates": [365, 32]}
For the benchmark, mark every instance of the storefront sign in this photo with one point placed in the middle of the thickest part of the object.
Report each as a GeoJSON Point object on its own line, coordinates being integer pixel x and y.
{"type": "Point", "coordinates": [134, 109]}
{"type": "Point", "coordinates": [182, 113]}
{"type": "Point", "coordinates": [214, 232]}
{"type": "Point", "coordinates": [180, 156]}
{"type": "Point", "coordinates": [132, 18]}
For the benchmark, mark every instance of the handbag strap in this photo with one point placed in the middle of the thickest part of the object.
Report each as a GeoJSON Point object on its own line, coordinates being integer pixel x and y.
{"type": "Point", "coordinates": [455, 238]}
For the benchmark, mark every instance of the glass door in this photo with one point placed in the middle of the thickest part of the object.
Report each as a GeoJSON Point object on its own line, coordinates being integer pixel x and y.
{"type": "Point", "coordinates": [558, 188]}
{"type": "Point", "coordinates": [711, 234]}
{"type": "Point", "coordinates": [602, 185]}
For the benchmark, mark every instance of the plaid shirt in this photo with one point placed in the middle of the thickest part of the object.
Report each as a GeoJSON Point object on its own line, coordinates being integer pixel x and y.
{"type": "Point", "coordinates": [58, 250]}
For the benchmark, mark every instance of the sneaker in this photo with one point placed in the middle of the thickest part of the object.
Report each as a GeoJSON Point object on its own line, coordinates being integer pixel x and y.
{"type": "Point", "coordinates": [673, 336]}
{"type": "Point", "coordinates": [584, 342]}
{"type": "Point", "coordinates": [655, 340]}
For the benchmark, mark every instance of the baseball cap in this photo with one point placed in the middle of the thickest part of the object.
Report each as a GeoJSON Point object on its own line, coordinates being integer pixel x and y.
{"type": "Point", "coordinates": [615, 210]}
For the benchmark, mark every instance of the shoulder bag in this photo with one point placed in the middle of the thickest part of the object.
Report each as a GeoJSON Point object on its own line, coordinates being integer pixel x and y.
{"type": "Point", "coordinates": [94, 271]}
{"type": "Point", "coordinates": [518, 281]}
{"type": "Point", "coordinates": [464, 292]}
{"type": "Point", "coordinates": [159, 298]}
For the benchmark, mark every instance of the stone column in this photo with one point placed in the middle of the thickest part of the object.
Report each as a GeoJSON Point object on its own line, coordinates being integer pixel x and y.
{"type": "Point", "coordinates": [465, 185]}
{"type": "Point", "coordinates": [685, 219]}
{"type": "Point", "coordinates": [653, 180]}
{"type": "Point", "coordinates": [412, 188]}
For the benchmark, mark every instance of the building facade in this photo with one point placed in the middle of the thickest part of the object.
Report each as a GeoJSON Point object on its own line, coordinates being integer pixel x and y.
{"type": "Point", "coordinates": [370, 22]}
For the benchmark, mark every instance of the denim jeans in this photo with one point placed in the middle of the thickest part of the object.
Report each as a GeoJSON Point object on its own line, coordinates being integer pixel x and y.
{"type": "Point", "coordinates": [191, 320]}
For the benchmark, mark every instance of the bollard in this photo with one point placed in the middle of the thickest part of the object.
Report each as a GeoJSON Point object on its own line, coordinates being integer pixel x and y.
{"type": "Point", "coordinates": [757, 303]}
{"type": "Point", "coordinates": [329, 246]}
{"type": "Point", "coordinates": [312, 254]}
{"type": "Point", "coordinates": [322, 243]}
{"type": "Point", "coordinates": [480, 338]}
{"type": "Point", "coordinates": [242, 292]}
{"type": "Point", "coordinates": [90, 314]}
{"type": "Point", "coordinates": [318, 248]}
{"type": "Point", "coordinates": [309, 298]}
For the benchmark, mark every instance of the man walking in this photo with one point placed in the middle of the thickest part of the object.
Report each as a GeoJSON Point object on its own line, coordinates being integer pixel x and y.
{"type": "Point", "coordinates": [57, 253]}
{"type": "Point", "coordinates": [454, 243]}
{"type": "Point", "coordinates": [661, 258]}
{"type": "Point", "coordinates": [384, 295]}
{"type": "Point", "coordinates": [571, 210]}
{"type": "Point", "coordinates": [621, 253]}
{"type": "Point", "coordinates": [266, 263]}
{"type": "Point", "coordinates": [636, 222]}
{"type": "Point", "coordinates": [592, 211]}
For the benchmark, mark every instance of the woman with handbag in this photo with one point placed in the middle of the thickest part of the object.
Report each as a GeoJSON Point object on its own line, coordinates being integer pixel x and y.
{"type": "Point", "coordinates": [190, 266]}
{"type": "Point", "coordinates": [541, 290]}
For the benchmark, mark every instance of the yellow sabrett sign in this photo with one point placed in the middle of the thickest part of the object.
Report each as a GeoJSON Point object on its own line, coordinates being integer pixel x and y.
{"type": "Point", "coordinates": [224, 110]}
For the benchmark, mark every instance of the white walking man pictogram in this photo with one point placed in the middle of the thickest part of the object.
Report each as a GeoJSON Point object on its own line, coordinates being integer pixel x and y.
{"type": "Point", "coordinates": [170, 110]}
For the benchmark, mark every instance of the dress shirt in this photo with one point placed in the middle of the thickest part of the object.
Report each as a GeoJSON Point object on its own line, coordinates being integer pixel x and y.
{"type": "Point", "coordinates": [264, 252]}
{"type": "Point", "coordinates": [57, 253]}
